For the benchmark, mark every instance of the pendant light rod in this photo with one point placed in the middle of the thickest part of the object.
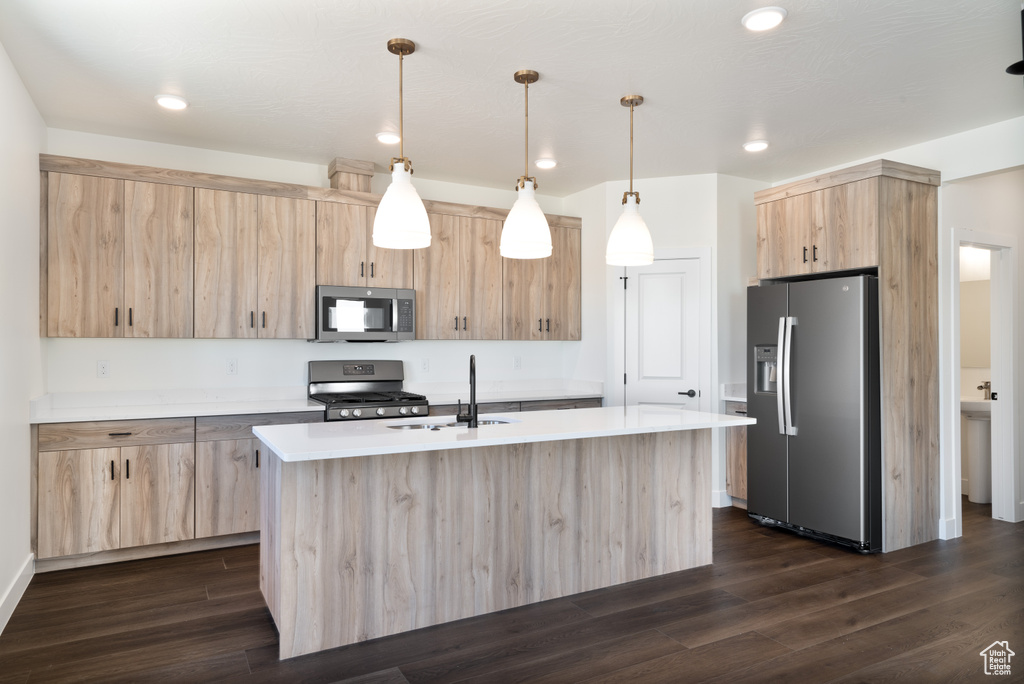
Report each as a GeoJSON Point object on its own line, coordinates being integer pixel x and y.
{"type": "Point", "coordinates": [401, 47]}
{"type": "Point", "coordinates": [631, 101]}
{"type": "Point", "coordinates": [526, 77]}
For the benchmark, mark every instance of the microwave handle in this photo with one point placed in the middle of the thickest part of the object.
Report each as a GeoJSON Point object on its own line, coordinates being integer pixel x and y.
{"type": "Point", "coordinates": [394, 315]}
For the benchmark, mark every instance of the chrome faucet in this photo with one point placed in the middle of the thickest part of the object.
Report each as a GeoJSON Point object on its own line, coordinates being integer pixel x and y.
{"type": "Point", "coordinates": [471, 417]}
{"type": "Point", "coordinates": [987, 386]}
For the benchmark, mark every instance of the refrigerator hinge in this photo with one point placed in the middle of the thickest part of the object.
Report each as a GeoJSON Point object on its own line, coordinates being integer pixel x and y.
{"type": "Point", "coordinates": [623, 279]}
{"type": "Point", "coordinates": [623, 378]}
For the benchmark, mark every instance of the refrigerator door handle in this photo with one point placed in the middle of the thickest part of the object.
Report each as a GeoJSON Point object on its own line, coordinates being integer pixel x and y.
{"type": "Point", "coordinates": [786, 379]}
{"type": "Point", "coordinates": [781, 388]}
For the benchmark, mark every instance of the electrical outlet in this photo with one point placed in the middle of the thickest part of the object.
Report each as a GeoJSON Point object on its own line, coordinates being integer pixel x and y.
{"type": "Point", "coordinates": [517, 363]}
{"type": "Point", "coordinates": [102, 369]}
{"type": "Point", "coordinates": [232, 366]}
{"type": "Point", "coordinates": [425, 365]}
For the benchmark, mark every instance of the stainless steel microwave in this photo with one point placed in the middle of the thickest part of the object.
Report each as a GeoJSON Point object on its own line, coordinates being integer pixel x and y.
{"type": "Point", "coordinates": [364, 314]}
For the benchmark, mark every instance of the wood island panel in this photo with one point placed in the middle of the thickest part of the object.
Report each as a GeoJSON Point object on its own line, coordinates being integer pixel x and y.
{"type": "Point", "coordinates": [359, 548]}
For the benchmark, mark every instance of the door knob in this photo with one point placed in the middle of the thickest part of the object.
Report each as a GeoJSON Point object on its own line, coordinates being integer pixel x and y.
{"type": "Point", "coordinates": [691, 393]}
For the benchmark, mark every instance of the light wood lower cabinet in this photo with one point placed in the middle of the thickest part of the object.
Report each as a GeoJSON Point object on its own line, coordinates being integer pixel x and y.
{"type": "Point", "coordinates": [114, 484]}
{"type": "Point", "coordinates": [227, 470]}
{"type": "Point", "coordinates": [736, 454]}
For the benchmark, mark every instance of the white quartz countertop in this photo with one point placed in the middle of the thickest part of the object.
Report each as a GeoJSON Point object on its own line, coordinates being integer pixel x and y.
{"type": "Point", "coordinates": [319, 441]}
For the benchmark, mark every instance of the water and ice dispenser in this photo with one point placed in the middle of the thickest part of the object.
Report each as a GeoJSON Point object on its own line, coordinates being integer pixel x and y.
{"type": "Point", "coordinates": [766, 369]}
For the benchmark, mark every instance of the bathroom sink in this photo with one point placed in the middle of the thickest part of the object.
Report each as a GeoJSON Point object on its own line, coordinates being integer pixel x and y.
{"type": "Point", "coordinates": [974, 405]}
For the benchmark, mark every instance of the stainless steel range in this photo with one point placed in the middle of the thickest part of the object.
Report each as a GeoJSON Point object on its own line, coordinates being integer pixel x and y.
{"type": "Point", "coordinates": [355, 390]}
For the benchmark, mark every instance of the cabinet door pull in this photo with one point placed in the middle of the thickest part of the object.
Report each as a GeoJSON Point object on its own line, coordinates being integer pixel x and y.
{"type": "Point", "coordinates": [111, 470]}
{"type": "Point", "coordinates": [130, 320]}
{"type": "Point", "coordinates": [127, 469]}
{"type": "Point", "coordinates": [371, 268]}
{"type": "Point", "coordinates": [117, 322]}
{"type": "Point", "coordinates": [815, 252]}
{"type": "Point", "coordinates": [549, 324]}
{"type": "Point", "coordinates": [463, 322]}
{"type": "Point", "coordinates": [362, 264]}
{"type": "Point", "coordinates": [264, 319]}
{"type": "Point", "coordinates": [456, 322]}
{"type": "Point", "coordinates": [540, 325]}
{"type": "Point", "coordinates": [805, 255]}
{"type": "Point", "coordinates": [118, 434]}
{"type": "Point", "coordinates": [740, 413]}
{"type": "Point", "coordinates": [252, 319]}
{"type": "Point", "coordinates": [257, 458]}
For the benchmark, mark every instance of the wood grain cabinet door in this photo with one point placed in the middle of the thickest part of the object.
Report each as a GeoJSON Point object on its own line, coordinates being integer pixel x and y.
{"type": "Point", "coordinates": [157, 493]}
{"type": "Point", "coordinates": [386, 267]}
{"type": "Point", "coordinates": [287, 268]}
{"type": "Point", "coordinates": [158, 241]}
{"type": "Point", "coordinates": [226, 254]}
{"type": "Point", "coordinates": [480, 288]}
{"type": "Point", "coordinates": [851, 225]}
{"type": "Point", "coordinates": [85, 256]}
{"type": "Point", "coordinates": [562, 285]}
{"type": "Point", "coordinates": [227, 487]}
{"type": "Point", "coordinates": [78, 501]}
{"type": "Point", "coordinates": [788, 230]}
{"type": "Point", "coordinates": [436, 277]}
{"type": "Point", "coordinates": [341, 235]}
{"type": "Point", "coordinates": [523, 298]}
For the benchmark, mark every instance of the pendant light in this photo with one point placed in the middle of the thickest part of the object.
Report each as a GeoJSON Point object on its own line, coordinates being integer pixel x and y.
{"type": "Point", "coordinates": [630, 242]}
{"type": "Point", "coordinates": [401, 221]}
{"type": "Point", "coordinates": [525, 234]}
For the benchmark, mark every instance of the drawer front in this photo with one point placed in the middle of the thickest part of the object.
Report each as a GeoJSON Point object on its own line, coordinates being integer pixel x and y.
{"type": "Point", "coordinates": [736, 408]}
{"type": "Point", "coordinates": [103, 434]}
{"type": "Point", "coordinates": [212, 428]}
{"type": "Point", "coordinates": [553, 404]}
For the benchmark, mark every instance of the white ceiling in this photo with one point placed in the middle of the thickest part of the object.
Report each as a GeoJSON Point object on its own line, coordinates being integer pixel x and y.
{"type": "Point", "coordinates": [310, 80]}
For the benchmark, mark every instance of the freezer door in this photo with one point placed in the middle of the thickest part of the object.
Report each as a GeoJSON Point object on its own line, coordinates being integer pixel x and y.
{"type": "Point", "coordinates": [829, 455]}
{"type": "Point", "coordinates": [766, 448]}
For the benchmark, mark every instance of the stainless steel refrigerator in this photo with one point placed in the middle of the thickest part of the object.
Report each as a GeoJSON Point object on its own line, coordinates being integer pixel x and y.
{"type": "Point", "coordinates": [814, 456]}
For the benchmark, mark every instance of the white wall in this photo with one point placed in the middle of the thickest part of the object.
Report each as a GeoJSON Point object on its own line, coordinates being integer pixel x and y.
{"type": "Point", "coordinates": [182, 364]}
{"type": "Point", "coordinates": [22, 136]}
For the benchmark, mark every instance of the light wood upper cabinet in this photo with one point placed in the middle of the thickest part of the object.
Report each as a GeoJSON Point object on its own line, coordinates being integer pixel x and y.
{"type": "Point", "coordinates": [158, 260]}
{"type": "Point", "coordinates": [542, 296]}
{"type": "Point", "coordinates": [287, 267]}
{"type": "Point", "coordinates": [79, 501]}
{"type": "Point", "coordinates": [345, 254]}
{"type": "Point", "coordinates": [458, 280]}
{"type": "Point", "coordinates": [831, 229]}
{"type": "Point", "coordinates": [226, 261]}
{"type": "Point", "coordinates": [85, 256]}
{"type": "Point", "coordinates": [157, 494]}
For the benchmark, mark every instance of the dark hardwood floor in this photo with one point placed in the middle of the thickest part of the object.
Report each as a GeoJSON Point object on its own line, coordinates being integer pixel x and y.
{"type": "Point", "coordinates": [773, 607]}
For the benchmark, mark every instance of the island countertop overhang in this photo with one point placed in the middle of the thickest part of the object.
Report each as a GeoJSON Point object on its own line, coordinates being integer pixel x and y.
{"type": "Point", "coordinates": [352, 439]}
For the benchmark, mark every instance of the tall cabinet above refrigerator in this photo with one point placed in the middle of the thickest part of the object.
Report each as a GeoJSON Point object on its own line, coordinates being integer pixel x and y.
{"type": "Point", "coordinates": [814, 456]}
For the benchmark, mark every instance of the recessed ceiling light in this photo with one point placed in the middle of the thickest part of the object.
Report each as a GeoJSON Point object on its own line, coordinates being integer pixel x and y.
{"type": "Point", "coordinates": [171, 101]}
{"type": "Point", "coordinates": [756, 145]}
{"type": "Point", "coordinates": [388, 138]}
{"type": "Point", "coordinates": [546, 163]}
{"type": "Point", "coordinates": [764, 18]}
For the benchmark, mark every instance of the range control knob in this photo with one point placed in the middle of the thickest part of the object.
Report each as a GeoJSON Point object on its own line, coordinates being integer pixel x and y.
{"type": "Point", "coordinates": [380, 411]}
{"type": "Point", "coordinates": [415, 409]}
{"type": "Point", "coordinates": [357, 412]}
{"type": "Point", "coordinates": [343, 413]}
{"type": "Point", "coordinates": [403, 410]}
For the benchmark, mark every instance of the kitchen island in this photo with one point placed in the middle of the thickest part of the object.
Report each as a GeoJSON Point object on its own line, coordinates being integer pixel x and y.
{"type": "Point", "coordinates": [368, 530]}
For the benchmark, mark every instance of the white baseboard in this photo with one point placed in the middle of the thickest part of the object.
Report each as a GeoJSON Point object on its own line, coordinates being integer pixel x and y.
{"type": "Point", "coordinates": [947, 528]}
{"type": "Point", "coordinates": [14, 592]}
{"type": "Point", "coordinates": [719, 499]}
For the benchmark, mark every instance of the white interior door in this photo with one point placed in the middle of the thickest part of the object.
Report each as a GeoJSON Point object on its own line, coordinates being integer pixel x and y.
{"type": "Point", "coordinates": [664, 355]}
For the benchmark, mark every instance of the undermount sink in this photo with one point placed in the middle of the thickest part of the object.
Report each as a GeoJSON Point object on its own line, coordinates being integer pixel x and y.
{"type": "Point", "coordinates": [438, 426]}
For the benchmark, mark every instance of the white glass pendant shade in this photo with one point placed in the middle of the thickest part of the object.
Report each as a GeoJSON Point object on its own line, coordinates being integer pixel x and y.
{"type": "Point", "coordinates": [630, 242]}
{"type": "Point", "coordinates": [526, 234]}
{"type": "Point", "coordinates": [401, 221]}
